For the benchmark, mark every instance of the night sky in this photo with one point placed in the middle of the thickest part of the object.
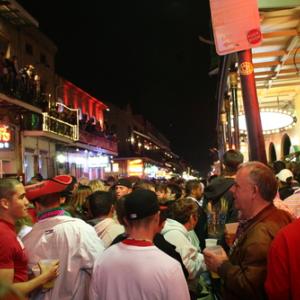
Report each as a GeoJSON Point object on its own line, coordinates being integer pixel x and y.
{"type": "Point", "coordinates": [146, 53]}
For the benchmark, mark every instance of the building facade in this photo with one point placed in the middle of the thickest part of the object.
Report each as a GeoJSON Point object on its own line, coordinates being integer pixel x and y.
{"type": "Point", "coordinates": [47, 124]}
{"type": "Point", "coordinates": [143, 150]}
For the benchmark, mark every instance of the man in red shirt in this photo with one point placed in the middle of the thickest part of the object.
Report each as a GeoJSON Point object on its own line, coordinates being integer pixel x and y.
{"type": "Point", "coordinates": [283, 264]}
{"type": "Point", "coordinates": [13, 261]}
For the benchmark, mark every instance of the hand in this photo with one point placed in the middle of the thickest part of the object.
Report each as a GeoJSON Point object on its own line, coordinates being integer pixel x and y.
{"type": "Point", "coordinates": [214, 261]}
{"type": "Point", "coordinates": [50, 272]}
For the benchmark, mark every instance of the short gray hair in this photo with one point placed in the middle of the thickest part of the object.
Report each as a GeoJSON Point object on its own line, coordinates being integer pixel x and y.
{"type": "Point", "coordinates": [262, 176]}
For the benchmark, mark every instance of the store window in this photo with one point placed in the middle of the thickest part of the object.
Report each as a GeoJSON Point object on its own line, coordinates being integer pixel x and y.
{"type": "Point", "coordinates": [29, 164]}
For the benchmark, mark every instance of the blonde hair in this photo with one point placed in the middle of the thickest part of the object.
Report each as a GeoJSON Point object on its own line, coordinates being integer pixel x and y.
{"type": "Point", "coordinates": [96, 185]}
{"type": "Point", "coordinates": [80, 195]}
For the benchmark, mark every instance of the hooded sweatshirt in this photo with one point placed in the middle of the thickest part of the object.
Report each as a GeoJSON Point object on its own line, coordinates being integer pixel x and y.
{"type": "Point", "coordinates": [176, 234]}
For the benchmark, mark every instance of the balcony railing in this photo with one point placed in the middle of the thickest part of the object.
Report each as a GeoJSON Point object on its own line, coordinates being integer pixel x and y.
{"type": "Point", "coordinates": [57, 126]}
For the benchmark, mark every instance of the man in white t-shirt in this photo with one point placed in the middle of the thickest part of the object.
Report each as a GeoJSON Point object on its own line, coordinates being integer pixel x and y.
{"type": "Point", "coordinates": [56, 235]}
{"type": "Point", "coordinates": [135, 268]}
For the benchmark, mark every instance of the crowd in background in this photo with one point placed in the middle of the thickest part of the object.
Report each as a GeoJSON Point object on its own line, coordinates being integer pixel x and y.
{"type": "Point", "coordinates": [106, 235]}
{"type": "Point", "coordinates": [21, 82]}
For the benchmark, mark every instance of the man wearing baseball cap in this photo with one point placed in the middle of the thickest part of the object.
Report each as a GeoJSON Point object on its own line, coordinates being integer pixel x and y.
{"type": "Point", "coordinates": [56, 235]}
{"type": "Point", "coordinates": [123, 187]}
{"type": "Point", "coordinates": [135, 268]}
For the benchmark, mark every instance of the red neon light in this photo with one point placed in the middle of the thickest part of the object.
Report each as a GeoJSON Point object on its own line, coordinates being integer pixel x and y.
{"type": "Point", "coordinates": [5, 135]}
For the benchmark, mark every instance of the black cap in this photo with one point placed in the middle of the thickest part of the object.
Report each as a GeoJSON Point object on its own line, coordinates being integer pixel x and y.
{"type": "Point", "coordinates": [140, 204]}
{"type": "Point", "coordinates": [124, 182]}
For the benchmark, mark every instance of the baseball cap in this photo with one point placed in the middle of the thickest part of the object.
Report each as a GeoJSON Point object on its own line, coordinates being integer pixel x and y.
{"type": "Point", "coordinates": [54, 185]}
{"type": "Point", "coordinates": [140, 204]}
{"type": "Point", "coordinates": [284, 174]}
{"type": "Point", "coordinates": [124, 182]}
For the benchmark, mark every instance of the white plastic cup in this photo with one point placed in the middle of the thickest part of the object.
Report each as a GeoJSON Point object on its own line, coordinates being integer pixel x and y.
{"type": "Point", "coordinates": [210, 243]}
{"type": "Point", "coordinates": [216, 249]}
{"type": "Point", "coordinates": [45, 264]}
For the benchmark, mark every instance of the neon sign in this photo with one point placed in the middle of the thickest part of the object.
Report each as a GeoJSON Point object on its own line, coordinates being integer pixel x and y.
{"type": "Point", "coordinates": [5, 137]}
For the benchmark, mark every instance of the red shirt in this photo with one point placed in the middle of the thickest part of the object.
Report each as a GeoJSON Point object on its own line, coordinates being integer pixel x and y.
{"type": "Point", "coordinates": [12, 255]}
{"type": "Point", "coordinates": [283, 277]}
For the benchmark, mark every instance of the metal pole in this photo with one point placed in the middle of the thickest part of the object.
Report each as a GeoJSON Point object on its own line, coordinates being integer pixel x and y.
{"type": "Point", "coordinates": [235, 109]}
{"type": "Point", "coordinates": [251, 107]}
{"type": "Point", "coordinates": [227, 106]}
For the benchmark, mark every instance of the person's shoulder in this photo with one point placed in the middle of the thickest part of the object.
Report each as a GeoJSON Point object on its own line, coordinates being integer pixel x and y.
{"type": "Point", "coordinates": [291, 229]}
{"type": "Point", "coordinates": [282, 215]}
{"type": "Point", "coordinates": [167, 263]}
{"type": "Point", "coordinates": [7, 238]}
{"type": "Point", "coordinates": [272, 221]}
{"type": "Point", "coordinates": [108, 256]}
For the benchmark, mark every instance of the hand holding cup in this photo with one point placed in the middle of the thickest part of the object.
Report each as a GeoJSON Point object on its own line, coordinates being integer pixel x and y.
{"type": "Point", "coordinates": [214, 256]}
{"type": "Point", "coordinates": [49, 270]}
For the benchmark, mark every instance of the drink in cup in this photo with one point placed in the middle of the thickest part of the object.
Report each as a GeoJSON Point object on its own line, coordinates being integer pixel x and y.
{"type": "Point", "coordinates": [216, 249]}
{"type": "Point", "coordinates": [45, 264]}
{"type": "Point", "coordinates": [230, 232]}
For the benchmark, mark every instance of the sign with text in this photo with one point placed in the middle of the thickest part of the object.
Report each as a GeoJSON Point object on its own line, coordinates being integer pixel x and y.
{"type": "Point", "coordinates": [5, 137]}
{"type": "Point", "coordinates": [236, 25]}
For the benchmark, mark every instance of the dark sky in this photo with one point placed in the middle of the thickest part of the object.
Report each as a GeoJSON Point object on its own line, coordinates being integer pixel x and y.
{"type": "Point", "coordinates": [144, 52]}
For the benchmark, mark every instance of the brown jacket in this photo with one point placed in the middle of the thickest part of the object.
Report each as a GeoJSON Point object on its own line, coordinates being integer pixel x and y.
{"type": "Point", "coordinates": [245, 272]}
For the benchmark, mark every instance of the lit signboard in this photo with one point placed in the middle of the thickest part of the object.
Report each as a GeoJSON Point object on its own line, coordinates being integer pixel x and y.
{"type": "Point", "coordinates": [135, 167]}
{"type": "Point", "coordinates": [5, 137]}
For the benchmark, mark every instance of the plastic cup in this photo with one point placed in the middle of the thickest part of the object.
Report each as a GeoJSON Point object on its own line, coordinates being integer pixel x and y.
{"type": "Point", "coordinates": [231, 228]}
{"type": "Point", "coordinates": [217, 249]}
{"type": "Point", "coordinates": [210, 243]}
{"type": "Point", "coordinates": [45, 264]}
{"type": "Point", "coordinates": [230, 232]}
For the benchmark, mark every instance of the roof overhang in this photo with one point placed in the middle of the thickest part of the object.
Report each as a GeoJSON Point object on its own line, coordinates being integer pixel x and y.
{"type": "Point", "coordinates": [16, 105]}
{"type": "Point", "coordinates": [14, 13]}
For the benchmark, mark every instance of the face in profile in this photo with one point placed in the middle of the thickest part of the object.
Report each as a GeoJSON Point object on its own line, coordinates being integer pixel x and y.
{"type": "Point", "coordinates": [18, 204]}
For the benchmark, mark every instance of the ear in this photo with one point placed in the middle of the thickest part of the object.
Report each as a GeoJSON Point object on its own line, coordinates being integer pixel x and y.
{"type": "Point", "coordinates": [192, 218]}
{"type": "Point", "coordinates": [38, 206]}
{"type": "Point", "coordinates": [4, 203]}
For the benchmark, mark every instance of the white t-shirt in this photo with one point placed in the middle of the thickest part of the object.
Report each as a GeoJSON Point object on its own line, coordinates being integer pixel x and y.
{"type": "Point", "coordinates": [75, 244]}
{"type": "Point", "coordinates": [129, 272]}
{"type": "Point", "coordinates": [108, 229]}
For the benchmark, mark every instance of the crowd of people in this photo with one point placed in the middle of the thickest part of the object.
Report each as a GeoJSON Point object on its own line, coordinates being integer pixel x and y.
{"type": "Point", "coordinates": [21, 82]}
{"type": "Point", "coordinates": [131, 238]}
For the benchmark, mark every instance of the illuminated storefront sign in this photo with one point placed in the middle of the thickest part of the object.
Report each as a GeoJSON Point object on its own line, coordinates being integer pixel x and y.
{"type": "Point", "coordinates": [151, 170]}
{"type": "Point", "coordinates": [5, 137]}
{"type": "Point", "coordinates": [84, 160]}
{"type": "Point", "coordinates": [98, 161]}
{"type": "Point", "coordinates": [135, 167]}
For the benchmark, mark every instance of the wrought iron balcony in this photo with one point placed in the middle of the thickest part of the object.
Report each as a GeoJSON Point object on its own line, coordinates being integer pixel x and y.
{"type": "Point", "coordinates": [57, 126]}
